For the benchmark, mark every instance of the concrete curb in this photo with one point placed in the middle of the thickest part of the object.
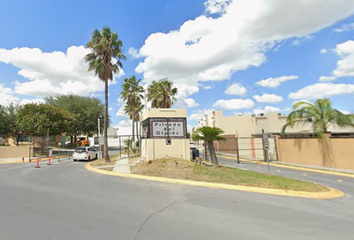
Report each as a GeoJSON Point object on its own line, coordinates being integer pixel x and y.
{"type": "Point", "coordinates": [35, 159]}
{"type": "Point", "coordinates": [331, 194]}
{"type": "Point", "coordinates": [297, 168]}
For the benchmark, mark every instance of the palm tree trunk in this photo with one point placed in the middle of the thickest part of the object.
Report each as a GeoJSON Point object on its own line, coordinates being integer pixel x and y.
{"type": "Point", "coordinates": [212, 154]}
{"type": "Point", "coordinates": [105, 148]}
{"type": "Point", "coordinates": [137, 130]}
{"type": "Point", "coordinates": [133, 131]}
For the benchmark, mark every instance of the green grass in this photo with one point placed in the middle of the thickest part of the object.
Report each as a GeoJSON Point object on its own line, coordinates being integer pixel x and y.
{"type": "Point", "coordinates": [191, 171]}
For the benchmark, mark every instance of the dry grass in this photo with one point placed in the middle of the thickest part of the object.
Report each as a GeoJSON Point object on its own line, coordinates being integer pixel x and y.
{"type": "Point", "coordinates": [101, 162]}
{"type": "Point", "coordinates": [182, 169]}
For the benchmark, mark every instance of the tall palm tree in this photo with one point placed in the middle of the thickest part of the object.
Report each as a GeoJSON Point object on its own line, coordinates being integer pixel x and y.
{"type": "Point", "coordinates": [209, 135]}
{"type": "Point", "coordinates": [162, 93]}
{"type": "Point", "coordinates": [134, 114]}
{"type": "Point", "coordinates": [321, 114]}
{"type": "Point", "coordinates": [132, 93]}
{"type": "Point", "coordinates": [105, 59]}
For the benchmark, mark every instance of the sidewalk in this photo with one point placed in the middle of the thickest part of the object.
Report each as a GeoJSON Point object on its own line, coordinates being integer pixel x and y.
{"type": "Point", "coordinates": [122, 165]}
{"type": "Point", "coordinates": [278, 163]}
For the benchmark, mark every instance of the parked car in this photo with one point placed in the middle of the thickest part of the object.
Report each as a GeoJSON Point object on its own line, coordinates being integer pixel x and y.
{"type": "Point", "coordinates": [84, 153]}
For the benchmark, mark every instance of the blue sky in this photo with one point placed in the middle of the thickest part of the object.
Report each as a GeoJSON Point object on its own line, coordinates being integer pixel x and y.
{"type": "Point", "coordinates": [241, 56]}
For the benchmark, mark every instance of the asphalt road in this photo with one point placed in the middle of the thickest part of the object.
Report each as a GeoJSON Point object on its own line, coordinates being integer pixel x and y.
{"type": "Point", "coordinates": [65, 201]}
{"type": "Point", "coordinates": [345, 184]}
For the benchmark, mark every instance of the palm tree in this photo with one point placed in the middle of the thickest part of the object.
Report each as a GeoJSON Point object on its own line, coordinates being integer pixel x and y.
{"type": "Point", "coordinates": [162, 93]}
{"type": "Point", "coordinates": [321, 114]}
{"type": "Point", "coordinates": [134, 114]}
{"type": "Point", "coordinates": [132, 94]}
{"type": "Point", "coordinates": [105, 59]}
{"type": "Point", "coordinates": [209, 135]}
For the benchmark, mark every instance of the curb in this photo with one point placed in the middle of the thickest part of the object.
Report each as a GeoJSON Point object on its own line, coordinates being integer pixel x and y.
{"type": "Point", "coordinates": [297, 168]}
{"type": "Point", "coordinates": [35, 159]}
{"type": "Point", "coordinates": [331, 194]}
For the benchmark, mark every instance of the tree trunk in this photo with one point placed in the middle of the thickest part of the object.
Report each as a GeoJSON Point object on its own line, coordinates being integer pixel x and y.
{"type": "Point", "coordinates": [137, 130]}
{"type": "Point", "coordinates": [105, 149]}
{"type": "Point", "coordinates": [133, 131]}
{"type": "Point", "coordinates": [213, 159]}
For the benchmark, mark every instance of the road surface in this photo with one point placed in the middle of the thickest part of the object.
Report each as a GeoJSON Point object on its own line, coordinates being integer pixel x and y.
{"type": "Point", "coordinates": [65, 201]}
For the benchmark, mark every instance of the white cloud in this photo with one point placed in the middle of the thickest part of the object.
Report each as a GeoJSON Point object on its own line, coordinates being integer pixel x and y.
{"type": "Point", "coordinates": [199, 114]}
{"type": "Point", "coordinates": [321, 90]}
{"type": "Point", "coordinates": [268, 98]}
{"type": "Point", "coordinates": [300, 40]}
{"type": "Point", "coordinates": [190, 102]}
{"type": "Point", "coordinates": [121, 112]}
{"type": "Point", "coordinates": [236, 89]}
{"type": "Point", "coordinates": [345, 28]}
{"type": "Point", "coordinates": [52, 73]}
{"type": "Point", "coordinates": [133, 52]}
{"type": "Point", "coordinates": [302, 100]}
{"type": "Point", "coordinates": [208, 48]}
{"type": "Point", "coordinates": [6, 96]}
{"type": "Point", "coordinates": [184, 90]}
{"type": "Point", "coordinates": [28, 101]}
{"type": "Point", "coordinates": [233, 104]}
{"type": "Point", "coordinates": [323, 51]}
{"type": "Point", "coordinates": [345, 64]}
{"type": "Point", "coordinates": [124, 123]}
{"type": "Point", "coordinates": [216, 6]}
{"type": "Point", "coordinates": [267, 109]}
{"type": "Point", "coordinates": [275, 82]}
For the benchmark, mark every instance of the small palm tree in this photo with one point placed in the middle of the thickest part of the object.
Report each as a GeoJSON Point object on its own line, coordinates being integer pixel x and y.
{"type": "Point", "coordinates": [134, 115]}
{"type": "Point", "coordinates": [209, 135]}
{"type": "Point", "coordinates": [321, 114]}
{"type": "Point", "coordinates": [105, 59]}
{"type": "Point", "coordinates": [161, 94]}
{"type": "Point", "coordinates": [132, 93]}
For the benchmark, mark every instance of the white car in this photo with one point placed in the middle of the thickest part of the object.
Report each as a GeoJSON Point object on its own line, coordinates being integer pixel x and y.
{"type": "Point", "coordinates": [84, 153]}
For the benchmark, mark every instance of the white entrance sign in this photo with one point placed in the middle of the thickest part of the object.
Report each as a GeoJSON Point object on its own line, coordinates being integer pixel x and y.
{"type": "Point", "coordinates": [174, 129]}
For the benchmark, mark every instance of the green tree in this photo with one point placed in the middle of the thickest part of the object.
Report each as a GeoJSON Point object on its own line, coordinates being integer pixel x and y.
{"type": "Point", "coordinates": [162, 93]}
{"type": "Point", "coordinates": [86, 111]}
{"type": "Point", "coordinates": [4, 123]}
{"type": "Point", "coordinates": [321, 114]}
{"type": "Point", "coordinates": [132, 93]}
{"type": "Point", "coordinates": [105, 59]}
{"type": "Point", "coordinates": [35, 119]}
{"type": "Point", "coordinates": [10, 121]}
{"type": "Point", "coordinates": [209, 135]}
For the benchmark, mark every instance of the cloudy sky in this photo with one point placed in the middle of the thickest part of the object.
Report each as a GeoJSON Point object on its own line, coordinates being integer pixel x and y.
{"type": "Point", "coordinates": [240, 56]}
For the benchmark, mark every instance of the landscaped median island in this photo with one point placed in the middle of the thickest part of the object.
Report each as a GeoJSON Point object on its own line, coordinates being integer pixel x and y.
{"type": "Point", "coordinates": [186, 170]}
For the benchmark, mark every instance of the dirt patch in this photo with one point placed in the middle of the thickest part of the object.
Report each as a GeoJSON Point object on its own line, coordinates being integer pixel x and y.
{"type": "Point", "coordinates": [183, 169]}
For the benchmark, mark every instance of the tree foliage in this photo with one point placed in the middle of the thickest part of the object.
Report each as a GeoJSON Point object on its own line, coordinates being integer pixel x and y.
{"type": "Point", "coordinates": [105, 60]}
{"type": "Point", "coordinates": [132, 93]}
{"type": "Point", "coordinates": [85, 110]}
{"type": "Point", "coordinates": [35, 119]}
{"type": "Point", "coordinates": [8, 123]}
{"type": "Point", "coordinates": [209, 135]}
{"type": "Point", "coordinates": [162, 93]}
{"type": "Point", "coordinates": [321, 114]}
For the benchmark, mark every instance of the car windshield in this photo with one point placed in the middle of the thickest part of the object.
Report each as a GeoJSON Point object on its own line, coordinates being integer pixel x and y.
{"type": "Point", "coordinates": [80, 150]}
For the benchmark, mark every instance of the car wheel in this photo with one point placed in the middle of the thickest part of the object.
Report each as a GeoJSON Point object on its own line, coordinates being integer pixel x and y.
{"type": "Point", "coordinates": [96, 156]}
{"type": "Point", "coordinates": [74, 160]}
{"type": "Point", "coordinates": [89, 158]}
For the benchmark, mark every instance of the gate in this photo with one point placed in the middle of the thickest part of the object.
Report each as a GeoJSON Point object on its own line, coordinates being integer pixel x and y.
{"type": "Point", "coordinates": [251, 148]}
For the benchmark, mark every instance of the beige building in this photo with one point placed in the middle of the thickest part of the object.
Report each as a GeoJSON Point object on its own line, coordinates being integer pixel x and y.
{"type": "Point", "coordinates": [248, 125]}
{"type": "Point", "coordinates": [164, 134]}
